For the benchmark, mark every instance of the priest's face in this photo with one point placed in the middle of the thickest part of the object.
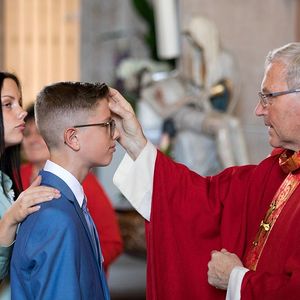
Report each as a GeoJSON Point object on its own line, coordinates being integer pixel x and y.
{"type": "Point", "coordinates": [281, 113]}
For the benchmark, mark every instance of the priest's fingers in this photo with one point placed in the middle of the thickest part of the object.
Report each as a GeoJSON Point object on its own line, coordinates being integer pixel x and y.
{"type": "Point", "coordinates": [119, 100]}
{"type": "Point", "coordinates": [131, 135]}
{"type": "Point", "coordinates": [213, 252]}
{"type": "Point", "coordinates": [223, 250]}
{"type": "Point", "coordinates": [214, 278]}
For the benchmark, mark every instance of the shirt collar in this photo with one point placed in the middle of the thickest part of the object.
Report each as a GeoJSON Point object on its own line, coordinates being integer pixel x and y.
{"type": "Point", "coordinates": [68, 178]}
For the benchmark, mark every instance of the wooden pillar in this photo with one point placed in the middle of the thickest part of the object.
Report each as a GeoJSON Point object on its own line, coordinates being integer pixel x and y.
{"type": "Point", "coordinates": [41, 42]}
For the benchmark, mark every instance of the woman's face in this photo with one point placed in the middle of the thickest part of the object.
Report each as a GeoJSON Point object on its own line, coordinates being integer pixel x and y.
{"type": "Point", "coordinates": [34, 146]}
{"type": "Point", "coordinates": [13, 113]}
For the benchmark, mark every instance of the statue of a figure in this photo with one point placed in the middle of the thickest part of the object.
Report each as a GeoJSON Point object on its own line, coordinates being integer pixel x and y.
{"type": "Point", "coordinates": [191, 108]}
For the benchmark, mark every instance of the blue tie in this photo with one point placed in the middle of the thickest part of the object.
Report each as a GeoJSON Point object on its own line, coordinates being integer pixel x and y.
{"type": "Point", "coordinates": [96, 245]}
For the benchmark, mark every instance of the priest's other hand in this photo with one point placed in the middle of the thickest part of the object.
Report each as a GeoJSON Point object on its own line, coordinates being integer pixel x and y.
{"type": "Point", "coordinates": [131, 134]}
{"type": "Point", "coordinates": [220, 266]}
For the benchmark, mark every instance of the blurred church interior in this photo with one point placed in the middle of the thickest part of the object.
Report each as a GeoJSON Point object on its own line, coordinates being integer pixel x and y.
{"type": "Point", "coordinates": [170, 58]}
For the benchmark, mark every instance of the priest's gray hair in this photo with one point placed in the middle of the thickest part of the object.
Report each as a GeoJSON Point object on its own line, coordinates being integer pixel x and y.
{"type": "Point", "coordinates": [289, 55]}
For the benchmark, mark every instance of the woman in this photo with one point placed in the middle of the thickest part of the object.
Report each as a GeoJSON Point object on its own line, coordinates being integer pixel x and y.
{"type": "Point", "coordinates": [13, 212]}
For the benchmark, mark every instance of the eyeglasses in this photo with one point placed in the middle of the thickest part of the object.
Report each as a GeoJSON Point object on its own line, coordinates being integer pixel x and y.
{"type": "Point", "coordinates": [265, 99]}
{"type": "Point", "coordinates": [111, 123]}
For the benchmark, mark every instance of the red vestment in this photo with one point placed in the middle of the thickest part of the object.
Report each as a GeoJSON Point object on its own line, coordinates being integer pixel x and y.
{"type": "Point", "coordinates": [193, 215]}
{"type": "Point", "coordinates": [101, 211]}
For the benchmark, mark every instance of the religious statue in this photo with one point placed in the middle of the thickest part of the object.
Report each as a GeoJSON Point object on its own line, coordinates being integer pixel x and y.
{"type": "Point", "coordinates": [188, 112]}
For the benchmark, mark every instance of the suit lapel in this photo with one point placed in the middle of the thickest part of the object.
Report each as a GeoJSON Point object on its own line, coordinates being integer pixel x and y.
{"type": "Point", "coordinates": [83, 221]}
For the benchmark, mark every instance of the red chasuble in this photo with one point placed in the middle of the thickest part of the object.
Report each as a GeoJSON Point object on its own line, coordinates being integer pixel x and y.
{"type": "Point", "coordinates": [192, 215]}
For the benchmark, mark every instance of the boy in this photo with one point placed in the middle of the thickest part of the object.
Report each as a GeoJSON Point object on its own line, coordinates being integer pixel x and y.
{"type": "Point", "coordinates": [57, 254]}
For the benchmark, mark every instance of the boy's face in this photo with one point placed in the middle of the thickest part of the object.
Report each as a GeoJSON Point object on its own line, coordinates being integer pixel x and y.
{"type": "Point", "coordinates": [98, 145]}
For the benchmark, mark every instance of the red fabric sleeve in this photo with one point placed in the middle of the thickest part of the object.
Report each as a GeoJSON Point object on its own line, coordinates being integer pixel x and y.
{"type": "Point", "coordinates": [266, 286]}
{"type": "Point", "coordinates": [105, 219]}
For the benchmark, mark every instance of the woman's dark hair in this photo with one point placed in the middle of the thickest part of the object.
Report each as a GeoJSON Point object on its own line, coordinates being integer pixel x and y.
{"type": "Point", "coordinates": [9, 157]}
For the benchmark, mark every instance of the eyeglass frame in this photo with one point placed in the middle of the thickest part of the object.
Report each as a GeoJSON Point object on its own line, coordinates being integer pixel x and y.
{"type": "Point", "coordinates": [111, 123]}
{"type": "Point", "coordinates": [264, 98]}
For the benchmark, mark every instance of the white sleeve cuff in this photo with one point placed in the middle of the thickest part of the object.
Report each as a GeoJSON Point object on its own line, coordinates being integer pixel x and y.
{"type": "Point", "coordinates": [134, 179]}
{"type": "Point", "coordinates": [235, 283]}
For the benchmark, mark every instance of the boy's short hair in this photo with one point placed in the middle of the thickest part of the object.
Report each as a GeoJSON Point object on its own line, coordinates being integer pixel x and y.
{"type": "Point", "coordinates": [63, 104]}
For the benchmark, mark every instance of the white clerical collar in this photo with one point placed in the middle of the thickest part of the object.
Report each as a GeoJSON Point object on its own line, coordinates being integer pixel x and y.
{"type": "Point", "coordinates": [68, 178]}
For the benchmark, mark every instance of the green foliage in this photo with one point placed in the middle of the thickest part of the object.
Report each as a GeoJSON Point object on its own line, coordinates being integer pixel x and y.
{"type": "Point", "coordinates": [145, 10]}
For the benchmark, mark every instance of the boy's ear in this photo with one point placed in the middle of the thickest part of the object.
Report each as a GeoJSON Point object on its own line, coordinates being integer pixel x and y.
{"type": "Point", "coordinates": [71, 138]}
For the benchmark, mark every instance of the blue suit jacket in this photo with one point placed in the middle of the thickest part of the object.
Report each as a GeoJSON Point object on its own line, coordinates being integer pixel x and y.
{"type": "Point", "coordinates": [53, 256]}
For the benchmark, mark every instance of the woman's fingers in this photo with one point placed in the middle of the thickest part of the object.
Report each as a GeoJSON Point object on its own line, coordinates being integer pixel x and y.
{"type": "Point", "coordinates": [35, 190]}
{"type": "Point", "coordinates": [35, 187]}
{"type": "Point", "coordinates": [29, 210]}
{"type": "Point", "coordinates": [36, 181]}
{"type": "Point", "coordinates": [29, 199]}
{"type": "Point", "coordinates": [35, 197]}
{"type": "Point", "coordinates": [40, 190]}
